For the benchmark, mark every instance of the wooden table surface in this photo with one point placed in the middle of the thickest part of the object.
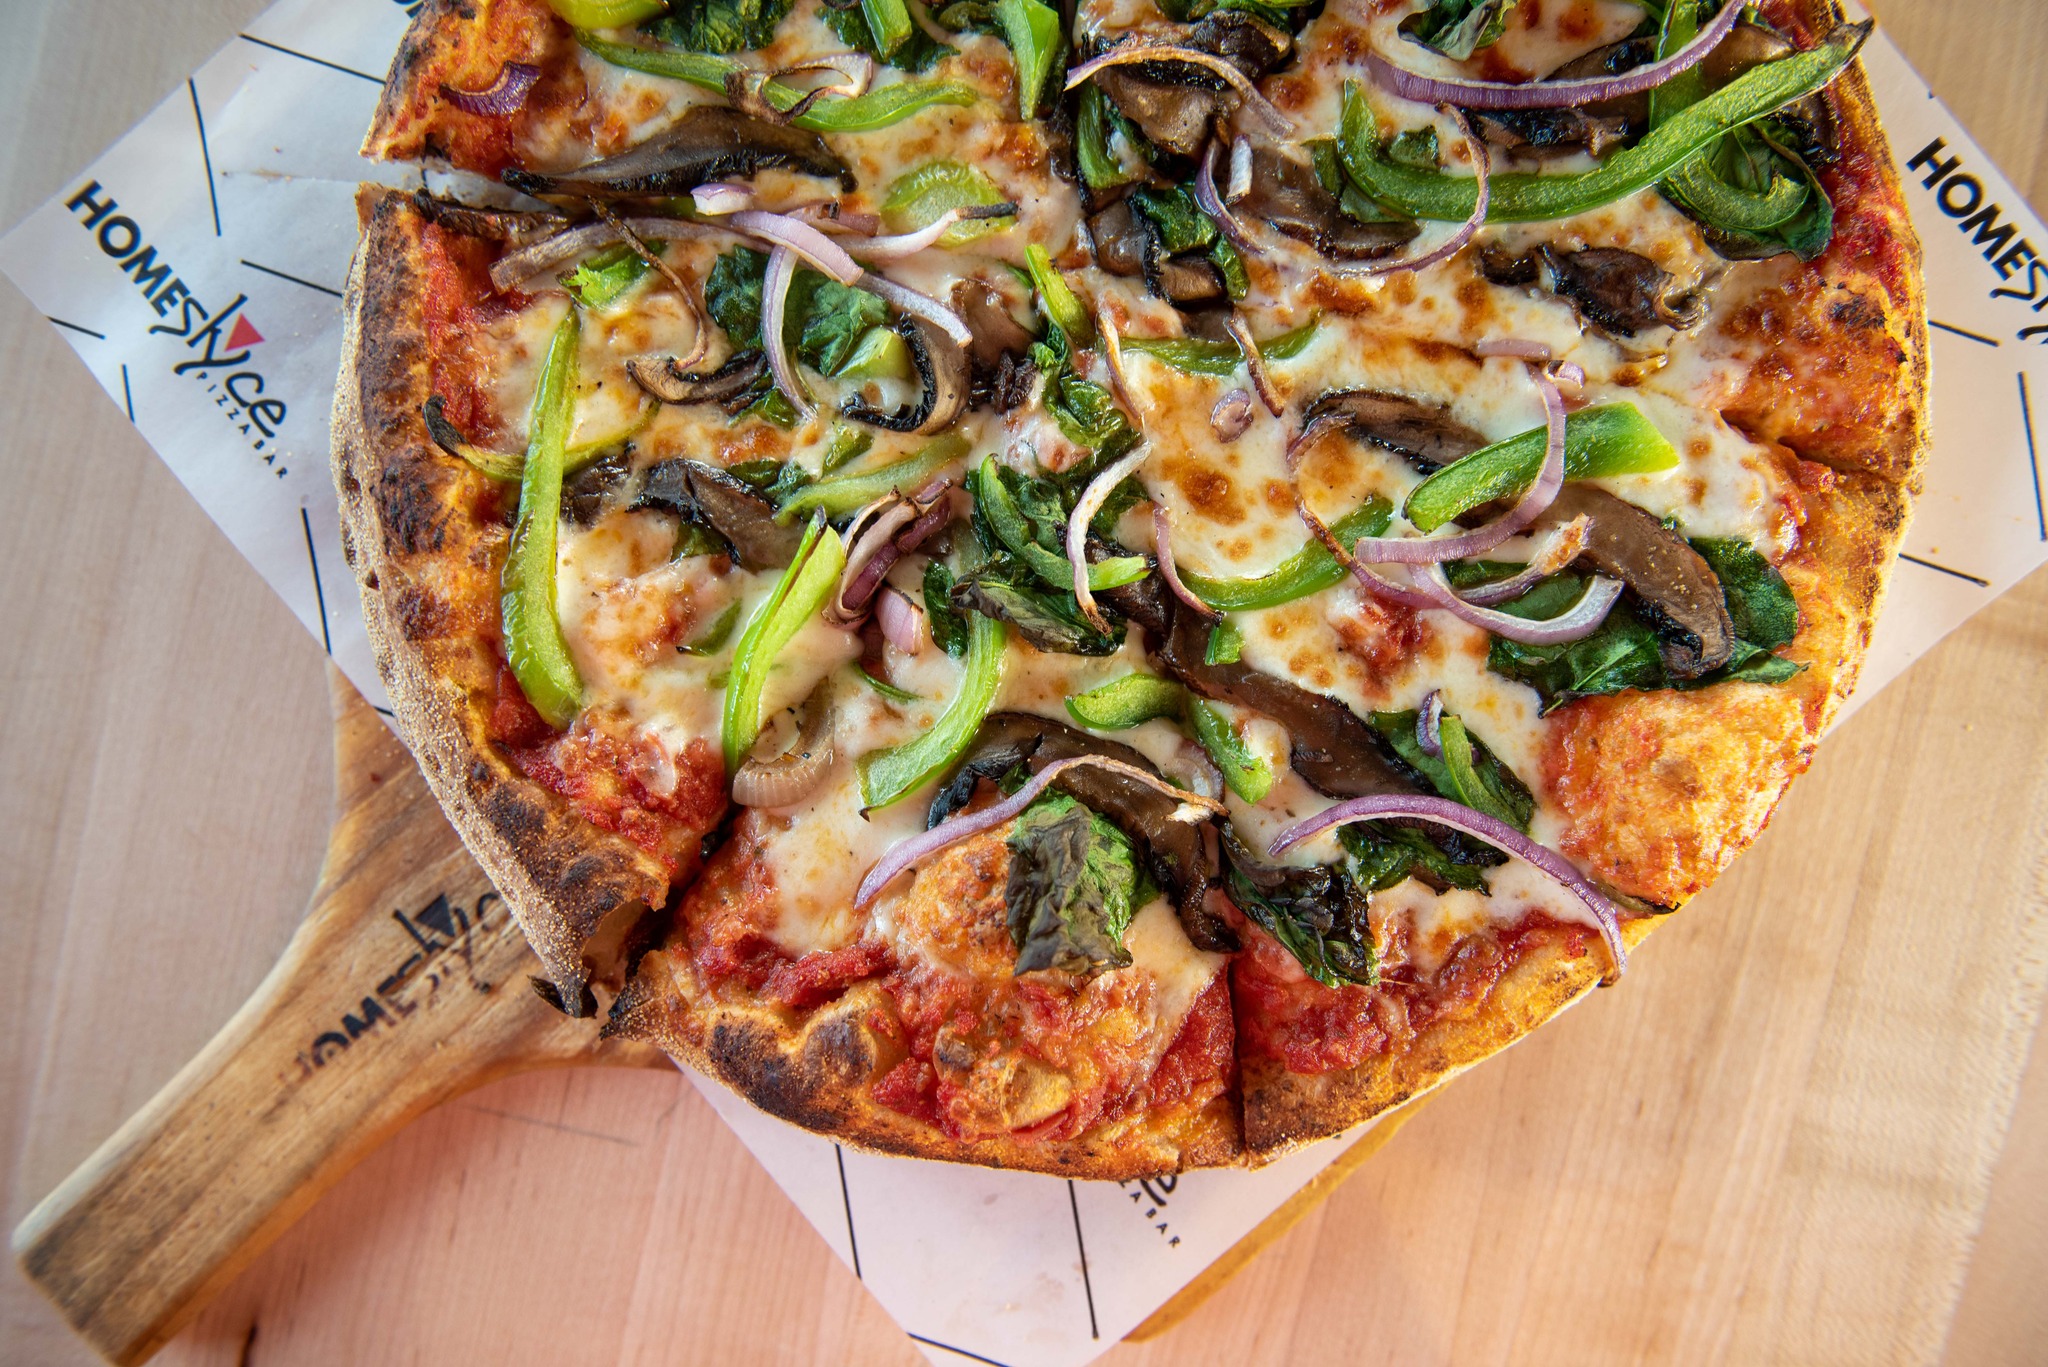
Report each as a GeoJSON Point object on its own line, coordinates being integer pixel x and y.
{"type": "Point", "coordinates": [1759, 1150]}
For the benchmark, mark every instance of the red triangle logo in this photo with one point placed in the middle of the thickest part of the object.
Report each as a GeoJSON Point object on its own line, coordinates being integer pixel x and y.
{"type": "Point", "coordinates": [243, 334]}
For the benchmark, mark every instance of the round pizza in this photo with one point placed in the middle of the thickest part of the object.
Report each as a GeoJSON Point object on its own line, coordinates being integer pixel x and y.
{"type": "Point", "coordinates": [1118, 589]}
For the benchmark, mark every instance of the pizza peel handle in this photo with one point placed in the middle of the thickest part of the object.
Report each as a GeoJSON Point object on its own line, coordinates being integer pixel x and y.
{"type": "Point", "coordinates": [404, 986]}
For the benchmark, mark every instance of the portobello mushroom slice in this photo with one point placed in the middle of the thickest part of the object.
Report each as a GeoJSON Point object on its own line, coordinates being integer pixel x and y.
{"type": "Point", "coordinates": [1330, 746]}
{"type": "Point", "coordinates": [1248, 42]}
{"type": "Point", "coordinates": [1424, 434]}
{"type": "Point", "coordinates": [587, 493]}
{"type": "Point", "coordinates": [943, 374]}
{"type": "Point", "coordinates": [1288, 195]}
{"type": "Point", "coordinates": [1667, 576]}
{"type": "Point", "coordinates": [515, 227]}
{"type": "Point", "coordinates": [1122, 238]}
{"type": "Point", "coordinates": [1185, 281]}
{"type": "Point", "coordinates": [1177, 853]}
{"type": "Point", "coordinates": [661, 377]}
{"type": "Point", "coordinates": [710, 142]}
{"type": "Point", "coordinates": [1622, 293]}
{"type": "Point", "coordinates": [1594, 127]}
{"type": "Point", "coordinates": [1173, 112]}
{"type": "Point", "coordinates": [708, 496]}
{"type": "Point", "coordinates": [1001, 349]}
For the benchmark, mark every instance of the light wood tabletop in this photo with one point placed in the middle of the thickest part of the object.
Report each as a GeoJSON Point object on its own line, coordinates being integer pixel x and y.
{"type": "Point", "coordinates": [1759, 1150]}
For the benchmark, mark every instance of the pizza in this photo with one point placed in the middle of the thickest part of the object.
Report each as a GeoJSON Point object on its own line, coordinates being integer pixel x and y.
{"type": "Point", "coordinates": [1115, 591]}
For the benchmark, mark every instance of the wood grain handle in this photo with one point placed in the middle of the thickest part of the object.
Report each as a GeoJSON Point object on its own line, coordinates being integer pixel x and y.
{"type": "Point", "coordinates": [405, 985]}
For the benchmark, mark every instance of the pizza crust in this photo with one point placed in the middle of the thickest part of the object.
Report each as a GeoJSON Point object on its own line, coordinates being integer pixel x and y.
{"type": "Point", "coordinates": [428, 570]}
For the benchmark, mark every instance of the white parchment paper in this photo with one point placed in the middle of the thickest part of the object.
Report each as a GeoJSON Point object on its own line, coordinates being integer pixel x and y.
{"type": "Point", "coordinates": [197, 266]}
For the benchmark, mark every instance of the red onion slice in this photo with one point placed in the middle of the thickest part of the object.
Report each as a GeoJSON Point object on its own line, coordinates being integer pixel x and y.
{"type": "Point", "coordinates": [1412, 85]}
{"type": "Point", "coordinates": [1429, 722]}
{"type": "Point", "coordinates": [1519, 348]}
{"type": "Point", "coordinates": [1385, 589]}
{"type": "Point", "coordinates": [1138, 50]}
{"type": "Point", "coordinates": [908, 300]}
{"type": "Point", "coordinates": [1213, 205]}
{"type": "Point", "coordinates": [795, 774]}
{"type": "Point", "coordinates": [831, 216]}
{"type": "Point", "coordinates": [505, 95]}
{"type": "Point", "coordinates": [1240, 171]}
{"type": "Point", "coordinates": [1255, 364]}
{"type": "Point", "coordinates": [814, 247]}
{"type": "Point", "coordinates": [1085, 507]}
{"type": "Point", "coordinates": [857, 67]}
{"type": "Point", "coordinates": [1482, 166]}
{"type": "Point", "coordinates": [722, 197]}
{"type": "Point", "coordinates": [1571, 372]}
{"type": "Point", "coordinates": [1556, 551]}
{"type": "Point", "coordinates": [515, 268]}
{"type": "Point", "coordinates": [900, 245]}
{"type": "Point", "coordinates": [901, 620]}
{"type": "Point", "coordinates": [872, 531]}
{"type": "Point", "coordinates": [1581, 620]}
{"type": "Point", "coordinates": [1193, 808]}
{"type": "Point", "coordinates": [1169, 568]}
{"type": "Point", "coordinates": [1538, 496]}
{"type": "Point", "coordinates": [1113, 357]}
{"type": "Point", "coordinates": [1232, 414]}
{"type": "Point", "coordinates": [774, 303]}
{"type": "Point", "coordinates": [1480, 826]}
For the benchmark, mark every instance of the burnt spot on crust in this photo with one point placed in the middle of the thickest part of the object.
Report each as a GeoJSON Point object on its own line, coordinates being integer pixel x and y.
{"type": "Point", "coordinates": [421, 615]}
{"type": "Point", "coordinates": [411, 511]}
{"type": "Point", "coordinates": [1855, 312]}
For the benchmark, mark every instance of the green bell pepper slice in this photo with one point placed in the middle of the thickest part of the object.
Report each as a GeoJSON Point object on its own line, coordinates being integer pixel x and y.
{"type": "Point", "coordinates": [534, 645]}
{"type": "Point", "coordinates": [1130, 701]}
{"type": "Point", "coordinates": [846, 492]}
{"type": "Point", "coordinates": [1244, 773]}
{"type": "Point", "coordinates": [877, 108]}
{"type": "Point", "coordinates": [1007, 521]}
{"type": "Point", "coordinates": [1610, 439]}
{"type": "Point", "coordinates": [890, 775]}
{"type": "Point", "coordinates": [1033, 32]}
{"type": "Point", "coordinates": [890, 23]}
{"type": "Point", "coordinates": [582, 14]}
{"type": "Point", "coordinates": [1208, 356]}
{"type": "Point", "coordinates": [799, 596]}
{"type": "Point", "coordinates": [1529, 198]}
{"type": "Point", "coordinates": [1055, 296]}
{"type": "Point", "coordinates": [1309, 570]}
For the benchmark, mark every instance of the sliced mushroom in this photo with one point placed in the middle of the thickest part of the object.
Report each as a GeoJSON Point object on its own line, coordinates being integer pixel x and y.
{"type": "Point", "coordinates": [512, 226]}
{"type": "Point", "coordinates": [1667, 576]}
{"type": "Point", "coordinates": [1174, 113]}
{"type": "Point", "coordinates": [708, 496]}
{"type": "Point", "coordinates": [1622, 293]}
{"type": "Point", "coordinates": [1288, 195]}
{"type": "Point", "coordinates": [1594, 127]}
{"type": "Point", "coordinates": [996, 332]}
{"type": "Point", "coordinates": [943, 377]}
{"type": "Point", "coordinates": [665, 380]}
{"type": "Point", "coordinates": [1001, 348]}
{"type": "Point", "coordinates": [1422, 433]}
{"type": "Point", "coordinates": [710, 142]}
{"type": "Point", "coordinates": [1176, 852]}
{"type": "Point", "coordinates": [1330, 746]}
{"type": "Point", "coordinates": [587, 493]}
{"type": "Point", "coordinates": [1122, 238]}
{"type": "Point", "coordinates": [1252, 45]}
{"type": "Point", "coordinates": [1186, 281]}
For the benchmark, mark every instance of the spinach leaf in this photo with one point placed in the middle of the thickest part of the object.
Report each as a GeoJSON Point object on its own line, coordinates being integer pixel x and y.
{"type": "Point", "coordinates": [1458, 28]}
{"type": "Point", "coordinates": [1466, 772]}
{"type": "Point", "coordinates": [1007, 591]}
{"type": "Point", "coordinates": [718, 25]}
{"type": "Point", "coordinates": [832, 318]}
{"type": "Point", "coordinates": [1760, 603]}
{"type": "Point", "coordinates": [919, 51]}
{"type": "Point", "coordinates": [732, 295]}
{"type": "Point", "coordinates": [1744, 169]}
{"type": "Point", "coordinates": [949, 627]}
{"type": "Point", "coordinates": [600, 279]}
{"type": "Point", "coordinates": [1319, 914]}
{"type": "Point", "coordinates": [1383, 854]}
{"type": "Point", "coordinates": [1085, 411]}
{"type": "Point", "coordinates": [1074, 885]}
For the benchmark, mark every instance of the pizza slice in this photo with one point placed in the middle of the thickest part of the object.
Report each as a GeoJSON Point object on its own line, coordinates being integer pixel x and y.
{"type": "Point", "coordinates": [1119, 598]}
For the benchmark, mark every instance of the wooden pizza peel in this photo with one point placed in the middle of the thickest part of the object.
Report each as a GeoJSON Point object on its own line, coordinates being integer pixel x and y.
{"type": "Point", "coordinates": [406, 985]}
